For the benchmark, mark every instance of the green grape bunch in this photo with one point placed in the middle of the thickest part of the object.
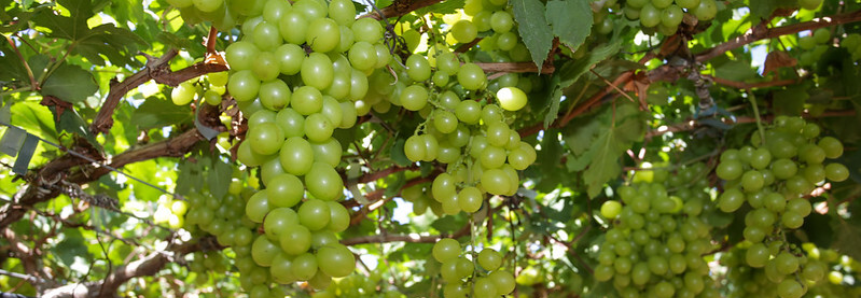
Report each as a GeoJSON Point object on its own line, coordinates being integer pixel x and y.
{"type": "Point", "coordinates": [656, 242]}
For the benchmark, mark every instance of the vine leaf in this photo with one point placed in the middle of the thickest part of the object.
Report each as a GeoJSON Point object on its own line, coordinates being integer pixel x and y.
{"type": "Point", "coordinates": [219, 177]}
{"type": "Point", "coordinates": [534, 29]}
{"type": "Point", "coordinates": [71, 83]}
{"type": "Point", "coordinates": [118, 44]}
{"type": "Point", "coordinates": [570, 72]}
{"type": "Point", "coordinates": [571, 21]}
{"type": "Point", "coordinates": [612, 141]}
{"type": "Point", "coordinates": [156, 112]}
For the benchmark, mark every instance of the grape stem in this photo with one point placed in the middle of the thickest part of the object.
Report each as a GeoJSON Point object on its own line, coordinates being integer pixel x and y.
{"type": "Point", "coordinates": [752, 99]}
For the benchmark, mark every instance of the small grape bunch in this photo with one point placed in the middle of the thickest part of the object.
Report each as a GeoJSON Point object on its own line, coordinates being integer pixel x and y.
{"type": "Point", "coordinates": [655, 244]}
{"type": "Point", "coordinates": [667, 15]}
{"type": "Point", "coordinates": [493, 282]}
{"type": "Point", "coordinates": [813, 46]}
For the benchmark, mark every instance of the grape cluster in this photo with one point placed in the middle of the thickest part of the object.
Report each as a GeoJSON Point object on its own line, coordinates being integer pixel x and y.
{"type": "Point", "coordinates": [297, 71]}
{"type": "Point", "coordinates": [788, 274]}
{"type": "Point", "coordinates": [455, 268]}
{"type": "Point", "coordinates": [773, 176]}
{"type": "Point", "coordinates": [221, 218]}
{"type": "Point", "coordinates": [666, 15]}
{"type": "Point", "coordinates": [171, 212]}
{"type": "Point", "coordinates": [813, 46]}
{"type": "Point", "coordinates": [210, 88]}
{"type": "Point", "coordinates": [223, 14]}
{"type": "Point", "coordinates": [838, 268]}
{"type": "Point", "coordinates": [656, 244]}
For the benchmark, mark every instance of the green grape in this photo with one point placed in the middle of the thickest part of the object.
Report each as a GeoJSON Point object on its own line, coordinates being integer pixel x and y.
{"type": "Point", "coordinates": [503, 280]}
{"type": "Point", "coordinates": [293, 27]}
{"type": "Point", "coordinates": [757, 255]}
{"type": "Point", "coordinates": [729, 170]}
{"type": "Point", "coordinates": [603, 273]}
{"type": "Point", "coordinates": [832, 147]}
{"type": "Point", "coordinates": [789, 288]}
{"type": "Point", "coordinates": [336, 260]}
{"type": "Point", "coordinates": [263, 251]}
{"type": "Point", "coordinates": [464, 31]}
{"type": "Point", "coordinates": [367, 30]}
{"type": "Point", "coordinates": [414, 97]}
{"type": "Point", "coordinates": [317, 71]}
{"type": "Point", "coordinates": [611, 209]}
{"type": "Point", "coordinates": [471, 77]}
{"type": "Point", "coordinates": [489, 259]}
{"type": "Point", "coordinates": [470, 199]}
{"type": "Point", "coordinates": [304, 266]}
{"type": "Point", "coordinates": [446, 250]}
{"type": "Point", "coordinates": [297, 156]}
{"type": "Point", "coordinates": [418, 68]}
{"type": "Point", "coordinates": [501, 21]}
{"type": "Point", "coordinates": [688, 4]}
{"type": "Point", "coordinates": [295, 239]}
{"type": "Point", "coordinates": [342, 11]}
{"type": "Point", "coordinates": [672, 16]}
{"type": "Point", "coordinates": [836, 172]}
{"type": "Point", "coordinates": [706, 10]}
{"type": "Point", "coordinates": [183, 94]}
{"type": "Point", "coordinates": [312, 10]}
{"type": "Point", "coordinates": [323, 182]}
{"type": "Point", "coordinates": [243, 85]}
{"type": "Point", "coordinates": [363, 56]}
{"type": "Point", "coordinates": [650, 16]}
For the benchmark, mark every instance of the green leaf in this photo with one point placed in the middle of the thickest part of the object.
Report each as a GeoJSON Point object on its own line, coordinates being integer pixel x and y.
{"type": "Point", "coordinates": [393, 188]}
{"type": "Point", "coordinates": [848, 239]}
{"type": "Point", "coordinates": [449, 224]}
{"type": "Point", "coordinates": [444, 7]}
{"type": "Point", "coordinates": [35, 118]}
{"type": "Point", "coordinates": [70, 83]}
{"type": "Point", "coordinates": [578, 135]}
{"type": "Point", "coordinates": [533, 28]}
{"type": "Point", "coordinates": [569, 72]}
{"type": "Point", "coordinates": [571, 20]}
{"type": "Point", "coordinates": [792, 100]}
{"type": "Point", "coordinates": [736, 70]}
{"type": "Point", "coordinates": [398, 155]}
{"type": "Point", "coordinates": [118, 44]}
{"type": "Point", "coordinates": [71, 246]}
{"type": "Point", "coordinates": [71, 122]}
{"type": "Point", "coordinates": [156, 112]}
{"type": "Point", "coordinates": [219, 178]}
{"type": "Point", "coordinates": [605, 163]}
{"type": "Point", "coordinates": [555, 101]}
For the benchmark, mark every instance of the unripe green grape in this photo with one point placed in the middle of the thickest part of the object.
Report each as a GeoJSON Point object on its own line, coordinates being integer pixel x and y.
{"type": "Point", "coordinates": [832, 147]}
{"type": "Point", "coordinates": [358, 85]}
{"type": "Point", "coordinates": [836, 172]}
{"type": "Point", "coordinates": [650, 16]}
{"type": "Point", "coordinates": [446, 250]}
{"type": "Point", "coordinates": [183, 94]}
{"type": "Point", "coordinates": [418, 68]}
{"type": "Point", "coordinates": [243, 85]}
{"type": "Point", "coordinates": [414, 97]}
{"type": "Point", "coordinates": [323, 35]}
{"type": "Point", "coordinates": [464, 31]}
{"type": "Point", "coordinates": [501, 21]}
{"type": "Point", "coordinates": [367, 30]}
{"type": "Point", "coordinates": [342, 11]}
{"type": "Point", "coordinates": [688, 4]}
{"type": "Point", "coordinates": [324, 183]}
{"type": "Point", "coordinates": [311, 10]}
{"type": "Point", "coordinates": [293, 27]}
{"type": "Point", "coordinates": [672, 16]}
{"type": "Point", "coordinates": [706, 10]}
{"type": "Point", "coordinates": [383, 55]}
{"type": "Point", "coordinates": [611, 209]}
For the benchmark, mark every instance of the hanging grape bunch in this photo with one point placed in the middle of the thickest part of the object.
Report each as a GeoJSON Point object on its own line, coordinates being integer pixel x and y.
{"type": "Point", "coordinates": [656, 242]}
{"type": "Point", "coordinates": [295, 74]}
{"type": "Point", "coordinates": [773, 176]}
{"type": "Point", "coordinates": [483, 281]}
